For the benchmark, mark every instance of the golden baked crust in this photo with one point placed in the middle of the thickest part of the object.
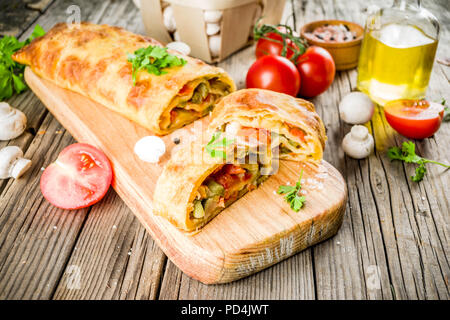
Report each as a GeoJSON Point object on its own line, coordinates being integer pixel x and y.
{"type": "Point", "coordinates": [177, 186]}
{"type": "Point", "coordinates": [178, 183]}
{"type": "Point", "coordinates": [92, 60]}
{"type": "Point", "coordinates": [269, 110]}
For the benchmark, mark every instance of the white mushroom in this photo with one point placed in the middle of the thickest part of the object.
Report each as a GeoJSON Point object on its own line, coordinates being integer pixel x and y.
{"type": "Point", "coordinates": [169, 19]}
{"type": "Point", "coordinates": [137, 3]}
{"type": "Point", "coordinates": [176, 36]}
{"type": "Point", "coordinates": [356, 108]}
{"type": "Point", "coordinates": [180, 47]}
{"type": "Point", "coordinates": [12, 122]}
{"type": "Point", "coordinates": [358, 143]}
{"type": "Point", "coordinates": [150, 149]}
{"type": "Point", "coordinates": [212, 29]}
{"type": "Point", "coordinates": [12, 163]}
{"type": "Point", "coordinates": [212, 16]}
{"type": "Point", "coordinates": [214, 45]}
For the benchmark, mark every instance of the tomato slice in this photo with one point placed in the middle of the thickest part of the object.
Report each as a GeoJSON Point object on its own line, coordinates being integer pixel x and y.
{"type": "Point", "coordinates": [415, 119]}
{"type": "Point", "coordinates": [80, 177]}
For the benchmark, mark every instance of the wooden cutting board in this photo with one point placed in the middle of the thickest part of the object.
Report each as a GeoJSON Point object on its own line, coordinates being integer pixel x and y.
{"type": "Point", "coordinates": [254, 233]}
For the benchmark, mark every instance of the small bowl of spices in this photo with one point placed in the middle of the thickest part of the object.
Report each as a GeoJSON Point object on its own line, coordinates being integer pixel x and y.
{"type": "Point", "coordinates": [341, 38]}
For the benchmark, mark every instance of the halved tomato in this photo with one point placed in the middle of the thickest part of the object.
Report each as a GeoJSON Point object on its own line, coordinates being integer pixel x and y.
{"type": "Point", "coordinates": [415, 119]}
{"type": "Point", "coordinates": [80, 177]}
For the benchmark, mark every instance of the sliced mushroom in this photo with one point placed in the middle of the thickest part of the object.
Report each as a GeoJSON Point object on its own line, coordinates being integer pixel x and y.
{"type": "Point", "coordinates": [12, 163]}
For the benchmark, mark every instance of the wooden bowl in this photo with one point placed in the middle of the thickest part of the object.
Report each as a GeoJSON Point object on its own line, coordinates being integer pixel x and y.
{"type": "Point", "coordinates": [345, 54]}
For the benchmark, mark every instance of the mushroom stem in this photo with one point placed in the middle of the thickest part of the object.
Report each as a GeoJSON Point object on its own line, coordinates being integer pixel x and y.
{"type": "Point", "coordinates": [12, 163]}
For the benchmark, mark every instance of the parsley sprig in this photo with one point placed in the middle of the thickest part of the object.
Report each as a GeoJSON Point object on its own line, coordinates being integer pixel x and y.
{"type": "Point", "coordinates": [291, 194]}
{"type": "Point", "coordinates": [408, 154]}
{"type": "Point", "coordinates": [215, 147]}
{"type": "Point", "coordinates": [446, 111]}
{"type": "Point", "coordinates": [154, 59]}
{"type": "Point", "coordinates": [11, 72]}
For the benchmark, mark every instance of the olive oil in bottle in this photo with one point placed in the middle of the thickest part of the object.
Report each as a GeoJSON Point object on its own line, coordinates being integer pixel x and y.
{"type": "Point", "coordinates": [397, 55]}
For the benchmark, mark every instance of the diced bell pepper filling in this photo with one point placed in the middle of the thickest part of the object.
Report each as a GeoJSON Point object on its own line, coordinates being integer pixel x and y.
{"type": "Point", "coordinates": [195, 100]}
{"type": "Point", "coordinates": [225, 186]}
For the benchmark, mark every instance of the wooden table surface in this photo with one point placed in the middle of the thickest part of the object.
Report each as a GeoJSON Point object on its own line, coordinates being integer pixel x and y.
{"type": "Point", "coordinates": [393, 243]}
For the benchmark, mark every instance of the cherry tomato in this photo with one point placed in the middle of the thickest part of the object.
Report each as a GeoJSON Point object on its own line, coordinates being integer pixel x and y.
{"type": "Point", "coordinates": [317, 69]}
{"type": "Point", "coordinates": [79, 177]}
{"type": "Point", "coordinates": [274, 73]}
{"type": "Point", "coordinates": [415, 119]}
{"type": "Point", "coordinates": [274, 46]}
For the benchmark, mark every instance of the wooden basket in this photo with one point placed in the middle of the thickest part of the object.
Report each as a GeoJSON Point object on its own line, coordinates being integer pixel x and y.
{"type": "Point", "coordinates": [236, 24]}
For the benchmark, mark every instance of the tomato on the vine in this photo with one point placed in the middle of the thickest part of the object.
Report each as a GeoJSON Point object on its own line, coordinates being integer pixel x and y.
{"type": "Point", "coordinates": [274, 73]}
{"type": "Point", "coordinates": [415, 119]}
{"type": "Point", "coordinates": [317, 70]}
{"type": "Point", "coordinates": [274, 46]}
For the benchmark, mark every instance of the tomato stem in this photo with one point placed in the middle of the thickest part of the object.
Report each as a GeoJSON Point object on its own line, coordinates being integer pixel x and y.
{"type": "Point", "coordinates": [260, 32]}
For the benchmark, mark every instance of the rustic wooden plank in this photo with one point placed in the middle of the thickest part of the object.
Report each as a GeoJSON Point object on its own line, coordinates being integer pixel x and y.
{"type": "Point", "coordinates": [34, 254]}
{"type": "Point", "coordinates": [40, 5]}
{"type": "Point", "coordinates": [15, 17]}
{"type": "Point", "coordinates": [116, 257]}
{"type": "Point", "coordinates": [35, 237]}
{"type": "Point", "coordinates": [382, 233]}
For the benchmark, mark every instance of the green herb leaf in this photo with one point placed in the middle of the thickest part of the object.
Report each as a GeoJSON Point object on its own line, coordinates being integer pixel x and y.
{"type": "Point", "coordinates": [295, 201]}
{"type": "Point", "coordinates": [446, 111]}
{"type": "Point", "coordinates": [11, 72]}
{"type": "Point", "coordinates": [215, 147]}
{"type": "Point", "coordinates": [408, 154]}
{"type": "Point", "coordinates": [153, 59]}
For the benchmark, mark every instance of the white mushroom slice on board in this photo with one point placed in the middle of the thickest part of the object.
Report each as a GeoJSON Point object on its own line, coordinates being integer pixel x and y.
{"type": "Point", "coordinates": [169, 19]}
{"type": "Point", "coordinates": [212, 16]}
{"type": "Point", "coordinates": [12, 163]}
{"type": "Point", "coordinates": [356, 108]}
{"type": "Point", "coordinates": [150, 149]}
{"type": "Point", "coordinates": [212, 29]}
{"type": "Point", "coordinates": [214, 45]}
{"type": "Point", "coordinates": [12, 122]}
{"type": "Point", "coordinates": [179, 46]}
{"type": "Point", "coordinates": [358, 143]}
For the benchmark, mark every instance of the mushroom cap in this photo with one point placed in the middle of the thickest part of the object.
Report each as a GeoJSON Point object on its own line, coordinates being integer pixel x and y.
{"type": "Point", "coordinates": [212, 29]}
{"type": "Point", "coordinates": [8, 156]}
{"type": "Point", "coordinates": [214, 45]}
{"type": "Point", "coordinates": [12, 122]}
{"type": "Point", "coordinates": [169, 19]}
{"type": "Point", "coordinates": [212, 16]}
{"type": "Point", "coordinates": [179, 46]}
{"type": "Point", "coordinates": [356, 108]}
